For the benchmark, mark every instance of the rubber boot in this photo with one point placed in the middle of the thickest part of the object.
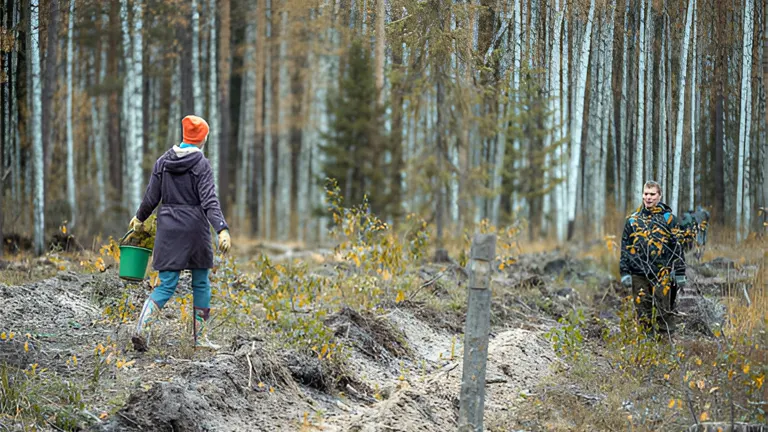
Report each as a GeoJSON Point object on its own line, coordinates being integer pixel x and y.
{"type": "Point", "coordinates": [148, 315]}
{"type": "Point", "coordinates": [200, 329]}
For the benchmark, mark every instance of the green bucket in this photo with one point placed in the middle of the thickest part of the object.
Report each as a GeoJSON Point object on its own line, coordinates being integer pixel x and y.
{"type": "Point", "coordinates": [133, 260]}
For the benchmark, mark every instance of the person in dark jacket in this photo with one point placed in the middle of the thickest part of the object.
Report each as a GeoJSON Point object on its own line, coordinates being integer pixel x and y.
{"type": "Point", "coordinates": [183, 180]}
{"type": "Point", "coordinates": [652, 261]}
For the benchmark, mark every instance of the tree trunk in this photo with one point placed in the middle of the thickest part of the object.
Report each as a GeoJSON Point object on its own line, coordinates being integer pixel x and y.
{"type": "Point", "coordinates": [70, 140]}
{"type": "Point", "coordinates": [674, 202]}
{"type": "Point", "coordinates": [225, 60]}
{"type": "Point", "coordinates": [742, 176]}
{"type": "Point", "coordinates": [637, 183]}
{"type": "Point", "coordinates": [284, 170]}
{"type": "Point", "coordinates": [649, 84]}
{"type": "Point", "coordinates": [624, 116]}
{"type": "Point", "coordinates": [36, 129]}
{"type": "Point", "coordinates": [213, 99]}
{"type": "Point", "coordinates": [258, 154]}
{"type": "Point", "coordinates": [661, 168]}
{"type": "Point", "coordinates": [694, 91]}
{"type": "Point", "coordinates": [50, 81]}
{"type": "Point", "coordinates": [197, 85]}
{"type": "Point", "coordinates": [577, 121]}
{"type": "Point", "coordinates": [268, 130]}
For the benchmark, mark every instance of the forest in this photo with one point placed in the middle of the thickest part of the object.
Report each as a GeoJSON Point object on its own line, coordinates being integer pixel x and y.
{"type": "Point", "coordinates": [438, 212]}
{"type": "Point", "coordinates": [549, 112]}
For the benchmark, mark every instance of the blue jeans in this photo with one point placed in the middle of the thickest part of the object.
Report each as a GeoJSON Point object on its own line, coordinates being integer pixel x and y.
{"type": "Point", "coordinates": [201, 288]}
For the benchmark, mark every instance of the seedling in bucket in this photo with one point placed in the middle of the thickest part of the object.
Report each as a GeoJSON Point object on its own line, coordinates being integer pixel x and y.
{"type": "Point", "coordinates": [134, 256]}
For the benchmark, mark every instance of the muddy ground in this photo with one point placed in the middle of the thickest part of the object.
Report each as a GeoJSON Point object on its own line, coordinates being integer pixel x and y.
{"type": "Point", "coordinates": [403, 372]}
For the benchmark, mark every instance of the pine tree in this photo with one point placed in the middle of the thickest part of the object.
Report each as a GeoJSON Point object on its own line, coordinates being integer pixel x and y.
{"type": "Point", "coordinates": [355, 144]}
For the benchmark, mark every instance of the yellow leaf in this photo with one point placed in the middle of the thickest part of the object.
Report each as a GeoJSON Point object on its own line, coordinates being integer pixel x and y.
{"type": "Point", "coordinates": [129, 364]}
{"type": "Point", "coordinates": [698, 361]}
{"type": "Point", "coordinates": [261, 385]}
{"type": "Point", "coordinates": [746, 368]}
{"type": "Point", "coordinates": [356, 259]}
{"type": "Point", "coordinates": [3, 336]}
{"type": "Point", "coordinates": [666, 378]}
{"type": "Point", "coordinates": [26, 346]}
{"type": "Point", "coordinates": [271, 389]}
{"type": "Point", "coordinates": [386, 275]}
{"type": "Point", "coordinates": [400, 296]}
{"type": "Point", "coordinates": [704, 416]}
{"type": "Point", "coordinates": [759, 381]}
{"type": "Point", "coordinates": [103, 415]}
{"type": "Point", "coordinates": [700, 384]}
{"type": "Point", "coordinates": [671, 403]}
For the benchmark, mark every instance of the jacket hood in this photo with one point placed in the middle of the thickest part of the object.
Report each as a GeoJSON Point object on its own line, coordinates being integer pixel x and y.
{"type": "Point", "coordinates": [181, 160]}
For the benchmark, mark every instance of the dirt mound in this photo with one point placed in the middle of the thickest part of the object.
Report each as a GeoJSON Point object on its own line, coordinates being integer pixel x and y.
{"type": "Point", "coordinates": [517, 361]}
{"type": "Point", "coordinates": [373, 336]}
{"type": "Point", "coordinates": [247, 390]}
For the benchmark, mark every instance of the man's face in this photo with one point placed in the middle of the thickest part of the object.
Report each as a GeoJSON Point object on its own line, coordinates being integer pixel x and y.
{"type": "Point", "coordinates": [651, 197]}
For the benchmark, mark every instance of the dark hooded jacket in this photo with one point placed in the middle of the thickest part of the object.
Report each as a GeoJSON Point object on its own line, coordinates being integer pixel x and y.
{"type": "Point", "coordinates": [183, 180]}
{"type": "Point", "coordinates": [651, 244]}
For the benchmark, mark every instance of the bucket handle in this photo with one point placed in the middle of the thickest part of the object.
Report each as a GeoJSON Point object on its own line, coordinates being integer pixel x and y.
{"type": "Point", "coordinates": [125, 236]}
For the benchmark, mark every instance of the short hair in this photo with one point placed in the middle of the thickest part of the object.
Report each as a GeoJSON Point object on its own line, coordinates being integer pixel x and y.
{"type": "Point", "coordinates": [652, 184]}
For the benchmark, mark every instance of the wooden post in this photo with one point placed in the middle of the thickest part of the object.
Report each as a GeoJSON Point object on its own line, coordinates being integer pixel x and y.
{"type": "Point", "coordinates": [476, 330]}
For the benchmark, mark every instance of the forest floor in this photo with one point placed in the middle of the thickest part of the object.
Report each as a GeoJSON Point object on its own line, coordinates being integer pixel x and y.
{"type": "Point", "coordinates": [320, 341]}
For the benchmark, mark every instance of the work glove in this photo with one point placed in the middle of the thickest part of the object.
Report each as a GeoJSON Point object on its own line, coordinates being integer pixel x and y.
{"type": "Point", "coordinates": [136, 226]}
{"type": "Point", "coordinates": [224, 241]}
{"type": "Point", "coordinates": [680, 281]}
{"type": "Point", "coordinates": [626, 280]}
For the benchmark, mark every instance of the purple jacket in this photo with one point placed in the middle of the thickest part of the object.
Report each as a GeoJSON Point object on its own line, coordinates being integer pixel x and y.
{"type": "Point", "coordinates": [183, 180]}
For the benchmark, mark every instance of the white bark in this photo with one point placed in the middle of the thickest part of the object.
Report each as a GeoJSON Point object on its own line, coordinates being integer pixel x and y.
{"type": "Point", "coordinates": [268, 157]}
{"type": "Point", "coordinates": [742, 177]}
{"type": "Point", "coordinates": [594, 130]}
{"type": "Point", "coordinates": [577, 121]}
{"type": "Point", "coordinates": [36, 128]}
{"type": "Point", "coordinates": [501, 137]}
{"type": "Point", "coordinates": [197, 86]}
{"type": "Point", "coordinates": [556, 116]}
{"type": "Point", "coordinates": [661, 167]}
{"type": "Point", "coordinates": [137, 146]}
{"type": "Point", "coordinates": [623, 115]}
{"type": "Point", "coordinates": [637, 183]}
{"type": "Point", "coordinates": [517, 47]}
{"type": "Point", "coordinates": [649, 85]}
{"type": "Point", "coordinates": [70, 141]}
{"type": "Point", "coordinates": [562, 216]}
{"type": "Point", "coordinates": [674, 203]}
{"type": "Point", "coordinates": [694, 91]}
{"type": "Point", "coordinates": [213, 95]}
{"type": "Point", "coordinates": [606, 103]}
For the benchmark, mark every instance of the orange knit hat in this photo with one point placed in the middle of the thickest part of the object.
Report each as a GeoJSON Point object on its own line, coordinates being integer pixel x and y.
{"type": "Point", "coordinates": [195, 129]}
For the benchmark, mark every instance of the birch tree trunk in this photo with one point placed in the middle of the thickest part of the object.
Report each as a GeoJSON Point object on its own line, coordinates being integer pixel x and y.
{"type": "Point", "coordinates": [680, 113]}
{"type": "Point", "coordinates": [577, 121]}
{"type": "Point", "coordinates": [607, 115]}
{"type": "Point", "coordinates": [661, 168]}
{"type": "Point", "coordinates": [623, 115]}
{"type": "Point", "coordinates": [36, 130]}
{"type": "Point", "coordinates": [742, 176]}
{"type": "Point", "coordinates": [694, 91]}
{"type": "Point", "coordinates": [266, 216]}
{"type": "Point", "coordinates": [14, 130]}
{"type": "Point", "coordinates": [649, 84]}
{"type": "Point", "coordinates": [98, 123]}
{"type": "Point", "coordinates": [213, 97]}
{"type": "Point", "coordinates": [556, 115]}
{"type": "Point", "coordinates": [70, 144]}
{"type": "Point", "coordinates": [224, 63]}
{"type": "Point", "coordinates": [565, 122]}
{"type": "Point", "coordinates": [637, 183]}
{"type": "Point", "coordinates": [137, 146]}
{"type": "Point", "coordinates": [284, 171]}
{"type": "Point", "coordinates": [197, 86]}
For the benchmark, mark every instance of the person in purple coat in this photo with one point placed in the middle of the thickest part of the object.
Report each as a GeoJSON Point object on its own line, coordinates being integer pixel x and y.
{"type": "Point", "coordinates": [182, 180]}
